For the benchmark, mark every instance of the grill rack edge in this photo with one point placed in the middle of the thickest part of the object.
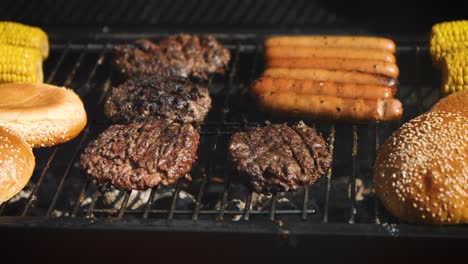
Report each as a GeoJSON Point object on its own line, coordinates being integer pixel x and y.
{"type": "Point", "coordinates": [249, 48]}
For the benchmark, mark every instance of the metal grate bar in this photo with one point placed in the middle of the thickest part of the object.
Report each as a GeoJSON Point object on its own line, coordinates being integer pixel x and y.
{"type": "Point", "coordinates": [80, 199]}
{"type": "Point", "coordinates": [224, 198]}
{"type": "Point", "coordinates": [97, 193]}
{"type": "Point", "coordinates": [87, 86]}
{"type": "Point", "coordinates": [58, 64]}
{"type": "Point", "coordinates": [331, 147]}
{"type": "Point", "coordinates": [32, 197]}
{"type": "Point", "coordinates": [196, 211]}
{"type": "Point", "coordinates": [62, 181]}
{"type": "Point", "coordinates": [70, 76]}
{"type": "Point", "coordinates": [352, 178]}
{"type": "Point", "coordinates": [204, 212]}
{"type": "Point", "coordinates": [94, 199]}
{"type": "Point", "coordinates": [85, 134]}
{"type": "Point", "coordinates": [305, 203]}
{"type": "Point", "coordinates": [123, 207]}
{"type": "Point", "coordinates": [274, 200]}
{"type": "Point", "coordinates": [253, 71]}
{"type": "Point", "coordinates": [175, 197]}
{"type": "Point", "coordinates": [248, 204]}
{"type": "Point", "coordinates": [417, 54]}
{"type": "Point", "coordinates": [224, 111]}
{"type": "Point", "coordinates": [149, 204]}
{"type": "Point", "coordinates": [209, 165]}
{"type": "Point", "coordinates": [374, 197]}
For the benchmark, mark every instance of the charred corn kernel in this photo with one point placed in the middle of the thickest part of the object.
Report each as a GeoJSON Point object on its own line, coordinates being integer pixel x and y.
{"type": "Point", "coordinates": [17, 34]}
{"type": "Point", "coordinates": [447, 37]}
{"type": "Point", "coordinates": [455, 72]}
{"type": "Point", "coordinates": [18, 64]}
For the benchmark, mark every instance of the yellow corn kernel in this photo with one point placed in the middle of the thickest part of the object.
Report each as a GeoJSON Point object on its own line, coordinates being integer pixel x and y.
{"type": "Point", "coordinates": [16, 34]}
{"type": "Point", "coordinates": [18, 64]}
{"type": "Point", "coordinates": [455, 71]}
{"type": "Point", "coordinates": [447, 37]}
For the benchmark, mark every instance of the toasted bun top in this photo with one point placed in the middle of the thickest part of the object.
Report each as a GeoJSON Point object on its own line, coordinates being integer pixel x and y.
{"type": "Point", "coordinates": [42, 114]}
{"type": "Point", "coordinates": [16, 164]}
{"type": "Point", "coordinates": [456, 102]}
{"type": "Point", "coordinates": [36, 102]}
{"type": "Point", "coordinates": [421, 172]}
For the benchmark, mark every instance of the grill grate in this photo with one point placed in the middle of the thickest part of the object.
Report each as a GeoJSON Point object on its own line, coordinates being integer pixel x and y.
{"type": "Point", "coordinates": [341, 200]}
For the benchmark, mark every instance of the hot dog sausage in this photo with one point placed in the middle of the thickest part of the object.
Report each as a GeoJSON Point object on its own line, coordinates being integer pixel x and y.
{"type": "Point", "coordinates": [321, 52]}
{"type": "Point", "coordinates": [360, 65]}
{"type": "Point", "coordinates": [347, 90]}
{"type": "Point", "coordinates": [333, 41]}
{"type": "Point", "coordinates": [330, 75]}
{"type": "Point", "coordinates": [331, 107]}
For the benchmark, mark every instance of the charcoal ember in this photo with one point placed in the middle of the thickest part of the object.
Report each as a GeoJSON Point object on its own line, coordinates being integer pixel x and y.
{"type": "Point", "coordinates": [114, 198]}
{"type": "Point", "coordinates": [342, 192]}
{"type": "Point", "coordinates": [164, 196]}
{"type": "Point", "coordinates": [23, 195]}
{"type": "Point", "coordinates": [236, 199]}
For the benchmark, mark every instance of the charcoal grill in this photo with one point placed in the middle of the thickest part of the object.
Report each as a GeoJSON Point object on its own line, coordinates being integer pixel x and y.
{"type": "Point", "coordinates": [60, 200]}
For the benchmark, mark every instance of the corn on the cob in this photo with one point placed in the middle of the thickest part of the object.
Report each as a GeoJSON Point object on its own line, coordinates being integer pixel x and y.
{"type": "Point", "coordinates": [17, 34]}
{"type": "Point", "coordinates": [455, 72]}
{"type": "Point", "coordinates": [18, 64]}
{"type": "Point", "coordinates": [447, 37]}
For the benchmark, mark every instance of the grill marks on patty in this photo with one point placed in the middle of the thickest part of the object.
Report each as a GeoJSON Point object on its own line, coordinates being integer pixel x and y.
{"type": "Point", "coordinates": [152, 98]}
{"type": "Point", "coordinates": [141, 155]}
{"type": "Point", "coordinates": [279, 157]}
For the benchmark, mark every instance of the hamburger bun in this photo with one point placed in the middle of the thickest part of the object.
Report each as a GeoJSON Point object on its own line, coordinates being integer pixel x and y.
{"type": "Point", "coordinates": [42, 114]}
{"type": "Point", "coordinates": [421, 171]}
{"type": "Point", "coordinates": [16, 164]}
{"type": "Point", "coordinates": [456, 102]}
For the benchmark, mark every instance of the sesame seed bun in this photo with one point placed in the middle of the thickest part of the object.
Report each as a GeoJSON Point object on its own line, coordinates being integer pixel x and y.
{"type": "Point", "coordinates": [421, 171]}
{"type": "Point", "coordinates": [42, 114]}
{"type": "Point", "coordinates": [456, 102]}
{"type": "Point", "coordinates": [16, 164]}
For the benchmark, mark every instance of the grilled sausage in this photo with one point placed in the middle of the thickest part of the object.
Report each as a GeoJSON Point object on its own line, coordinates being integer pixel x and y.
{"type": "Point", "coordinates": [347, 90]}
{"type": "Point", "coordinates": [331, 107]}
{"type": "Point", "coordinates": [360, 65]}
{"type": "Point", "coordinates": [321, 52]}
{"type": "Point", "coordinates": [333, 41]}
{"type": "Point", "coordinates": [330, 75]}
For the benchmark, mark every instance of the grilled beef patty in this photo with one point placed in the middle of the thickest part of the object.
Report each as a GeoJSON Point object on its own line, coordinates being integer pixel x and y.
{"type": "Point", "coordinates": [179, 55]}
{"type": "Point", "coordinates": [141, 155]}
{"type": "Point", "coordinates": [280, 158]}
{"type": "Point", "coordinates": [152, 98]}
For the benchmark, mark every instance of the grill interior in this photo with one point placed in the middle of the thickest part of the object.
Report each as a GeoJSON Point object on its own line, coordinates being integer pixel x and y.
{"type": "Point", "coordinates": [340, 202]}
